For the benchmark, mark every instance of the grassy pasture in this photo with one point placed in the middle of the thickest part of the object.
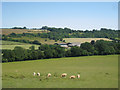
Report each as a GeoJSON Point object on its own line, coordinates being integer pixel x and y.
{"type": "Point", "coordinates": [96, 72]}
{"type": "Point", "coordinates": [20, 31]}
{"type": "Point", "coordinates": [11, 45]}
{"type": "Point", "coordinates": [41, 40]}
{"type": "Point", "coordinates": [83, 40]}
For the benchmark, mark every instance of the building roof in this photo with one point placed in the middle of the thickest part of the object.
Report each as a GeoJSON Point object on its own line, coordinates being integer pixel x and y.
{"type": "Point", "coordinates": [62, 43]}
{"type": "Point", "coordinates": [74, 44]}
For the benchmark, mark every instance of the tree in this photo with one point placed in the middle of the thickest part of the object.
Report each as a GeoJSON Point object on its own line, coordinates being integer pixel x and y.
{"type": "Point", "coordinates": [13, 34]}
{"type": "Point", "coordinates": [56, 40]}
{"type": "Point", "coordinates": [24, 28]}
{"type": "Point", "coordinates": [55, 53]}
{"type": "Point", "coordinates": [44, 27]}
{"type": "Point", "coordinates": [36, 42]}
{"type": "Point", "coordinates": [76, 51]}
{"type": "Point", "coordinates": [93, 42]}
{"type": "Point", "coordinates": [40, 54]}
{"type": "Point", "coordinates": [87, 46]}
{"type": "Point", "coordinates": [44, 47]}
{"type": "Point", "coordinates": [32, 48]}
{"type": "Point", "coordinates": [60, 51]}
{"type": "Point", "coordinates": [8, 55]}
{"type": "Point", "coordinates": [48, 53]}
{"type": "Point", "coordinates": [68, 53]}
{"type": "Point", "coordinates": [34, 55]}
{"type": "Point", "coordinates": [85, 53]}
{"type": "Point", "coordinates": [103, 47]}
{"type": "Point", "coordinates": [19, 53]}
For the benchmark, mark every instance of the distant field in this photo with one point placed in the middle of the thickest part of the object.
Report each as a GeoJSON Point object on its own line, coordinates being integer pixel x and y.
{"type": "Point", "coordinates": [83, 40]}
{"type": "Point", "coordinates": [95, 71]}
{"type": "Point", "coordinates": [20, 31]}
{"type": "Point", "coordinates": [41, 40]}
{"type": "Point", "coordinates": [11, 45]}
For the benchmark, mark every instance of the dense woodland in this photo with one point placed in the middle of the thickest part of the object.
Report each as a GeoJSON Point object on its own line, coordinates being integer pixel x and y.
{"type": "Point", "coordinates": [99, 47]}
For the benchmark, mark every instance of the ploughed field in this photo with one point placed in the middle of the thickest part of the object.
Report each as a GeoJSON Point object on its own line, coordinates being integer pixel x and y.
{"type": "Point", "coordinates": [95, 71]}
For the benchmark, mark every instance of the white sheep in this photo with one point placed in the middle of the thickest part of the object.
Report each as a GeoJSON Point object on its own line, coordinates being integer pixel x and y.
{"type": "Point", "coordinates": [64, 75]}
{"type": "Point", "coordinates": [78, 76]}
{"type": "Point", "coordinates": [49, 75]}
{"type": "Point", "coordinates": [34, 73]}
{"type": "Point", "coordinates": [72, 77]}
{"type": "Point", "coordinates": [38, 74]}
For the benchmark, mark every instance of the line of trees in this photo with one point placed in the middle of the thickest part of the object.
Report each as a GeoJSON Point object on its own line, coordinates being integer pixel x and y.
{"type": "Point", "coordinates": [99, 47]}
{"type": "Point", "coordinates": [19, 28]}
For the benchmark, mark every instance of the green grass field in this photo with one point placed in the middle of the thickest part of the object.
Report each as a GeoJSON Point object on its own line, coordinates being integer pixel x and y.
{"type": "Point", "coordinates": [11, 45]}
{"type": "Point", "coordinates": [41, 40]}
{"type": "Point", "coordinates": [95, 71]}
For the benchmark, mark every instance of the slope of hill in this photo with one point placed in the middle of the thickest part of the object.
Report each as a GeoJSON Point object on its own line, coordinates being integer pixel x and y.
{"type": "Point", "coordinates": [41, 40]}
{"type": "Point", "coordinates": [20, 31]}
{"type": "Point", "coordinates": [95, 71]}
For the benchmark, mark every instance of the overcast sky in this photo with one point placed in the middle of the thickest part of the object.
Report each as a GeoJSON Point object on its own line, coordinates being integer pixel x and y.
{"type": "Point", "coordinates": [74, 15]}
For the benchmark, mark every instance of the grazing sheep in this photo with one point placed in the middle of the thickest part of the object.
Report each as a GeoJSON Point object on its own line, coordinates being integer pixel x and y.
{"type": "Point", "coordinates": [64, 75]}
{"type": "Point", "coordinates": [34, 73]}
{"type": "Point", "coordinates": [72, 77]}
{"type": "Point", "coordinates": [78, 76]}
{"type": "Point", "coordinates": [38, 74]}
{"type": "Point", "coordinates": [49, 75]}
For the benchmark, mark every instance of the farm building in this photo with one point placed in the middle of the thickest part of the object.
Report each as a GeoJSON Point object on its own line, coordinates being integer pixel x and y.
{"type": "Point", "coordinates": [62, 44]}
{"type": "Point", "coordinates": [74, 44]}
{"type": "Point", "coordinates": [66, 45]}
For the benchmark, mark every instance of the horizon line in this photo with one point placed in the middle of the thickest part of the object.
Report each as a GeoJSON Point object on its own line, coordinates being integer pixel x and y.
{"type": "Point", "coordinates": [58, 27]}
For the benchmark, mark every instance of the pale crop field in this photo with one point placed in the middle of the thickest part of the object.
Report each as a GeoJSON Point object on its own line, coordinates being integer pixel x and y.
{"type": "Point", "coordinates": [95, 71]}
{"type": "Point", "coordinates": [83, 40]}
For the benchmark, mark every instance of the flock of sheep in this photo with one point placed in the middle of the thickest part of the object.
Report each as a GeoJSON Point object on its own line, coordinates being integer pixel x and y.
{"type": "Point", "coordinates": [62, 75]}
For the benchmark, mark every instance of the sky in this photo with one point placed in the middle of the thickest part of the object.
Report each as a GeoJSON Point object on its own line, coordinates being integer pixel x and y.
{"type": "Point", "coordinates": [74, 15]}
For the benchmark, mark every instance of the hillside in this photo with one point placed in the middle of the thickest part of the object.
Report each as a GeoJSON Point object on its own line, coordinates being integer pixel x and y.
{"type": "Point", "coordinates": [20, 31]}
{"type": "Point", "coordinates": [95, 71]}
{"type": "Point", "coordinates": [41, 40]}
{"type": "Point", "coordinates": [60, 33]}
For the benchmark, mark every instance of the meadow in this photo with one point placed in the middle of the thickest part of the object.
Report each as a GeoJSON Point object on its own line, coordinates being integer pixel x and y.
{"type": "Point", "coordinates": [95, 71]}
{"type": "Point", "coordinates": [11, 45]}
{"type": "Point", "coordinates": [83, 40]}
{"type": "Point", "coordinates": [41, 40]}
